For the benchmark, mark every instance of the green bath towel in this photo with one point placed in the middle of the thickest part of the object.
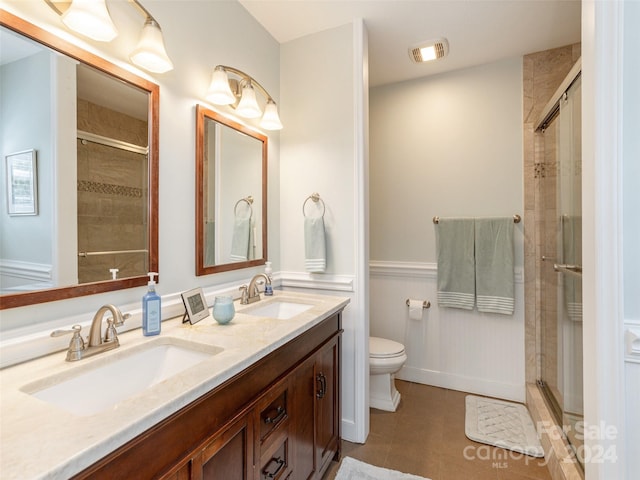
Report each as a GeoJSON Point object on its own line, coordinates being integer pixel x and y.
{"type": "Point", "coordinates": [494, 265]}
{"type": "Point", "coordinates": [456, 265]}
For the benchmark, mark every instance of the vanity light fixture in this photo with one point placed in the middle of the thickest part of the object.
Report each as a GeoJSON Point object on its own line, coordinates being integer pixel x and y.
{"type": "Point", "coordinates": [241, 94]}
{"type": "Point", "coordinates": [91, 18]}
{"type": "Point", "coordinates": [150, 53]}
{"type": "Point", "coordinates": [429, 50]}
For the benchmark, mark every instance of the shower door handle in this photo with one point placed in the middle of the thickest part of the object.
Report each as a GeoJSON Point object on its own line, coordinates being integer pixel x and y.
{"type": "Point", "coordinates": [571, 269]}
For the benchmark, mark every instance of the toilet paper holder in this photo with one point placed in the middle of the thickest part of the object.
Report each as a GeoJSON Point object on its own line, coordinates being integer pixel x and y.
{"type": "Point", "coordinates": [425, 303]}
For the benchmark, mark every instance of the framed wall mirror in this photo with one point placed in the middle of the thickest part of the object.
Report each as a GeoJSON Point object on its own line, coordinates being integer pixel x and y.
{"type": "Point", "coordinates": [94, 129]}
{"type": "Point", "coordinates": [231, 194]}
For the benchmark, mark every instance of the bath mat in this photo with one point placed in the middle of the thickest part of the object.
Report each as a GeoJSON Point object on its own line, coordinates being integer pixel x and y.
{"type": "Point", "coordinates": [501, 424]}
{"type": "Point", "coordinates": [352, 469]}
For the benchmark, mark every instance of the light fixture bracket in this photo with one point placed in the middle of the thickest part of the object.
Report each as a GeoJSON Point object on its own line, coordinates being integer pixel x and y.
{"type": "Point", "coordinates": [237, 84]}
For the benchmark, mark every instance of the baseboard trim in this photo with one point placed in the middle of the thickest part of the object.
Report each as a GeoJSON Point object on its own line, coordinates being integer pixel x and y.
{"type": "Point", "coordinates": [505, 391]}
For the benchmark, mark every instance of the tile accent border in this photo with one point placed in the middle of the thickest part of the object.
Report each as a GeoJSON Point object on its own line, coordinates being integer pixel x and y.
{"type": "Point", "coordinates": [109, 189]}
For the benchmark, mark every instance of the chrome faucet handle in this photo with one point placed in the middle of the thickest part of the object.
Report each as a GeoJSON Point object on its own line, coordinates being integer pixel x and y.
{"type": "Point", "coordinates": [244, 299]}
{"type": "Point", "coordinates": [76, 345]}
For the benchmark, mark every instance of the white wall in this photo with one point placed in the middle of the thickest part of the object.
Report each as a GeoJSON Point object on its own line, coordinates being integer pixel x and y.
{"type": "Point", "coordinates": [323, 151]}
{"type": "Point", "coordinates": [447, 145]}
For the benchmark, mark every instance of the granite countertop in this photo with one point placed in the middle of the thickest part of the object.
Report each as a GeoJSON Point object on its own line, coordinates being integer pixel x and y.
{"type": "Point", "coordinates": [39, 440]}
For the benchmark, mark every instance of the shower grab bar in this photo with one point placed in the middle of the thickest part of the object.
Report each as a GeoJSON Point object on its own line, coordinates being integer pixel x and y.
{"type": "Point", "coordinates": [516, 219]}
{"type": "Point", "coordinates": [570, 269]}
{"type": "Point", "coordinates": [110, 252]}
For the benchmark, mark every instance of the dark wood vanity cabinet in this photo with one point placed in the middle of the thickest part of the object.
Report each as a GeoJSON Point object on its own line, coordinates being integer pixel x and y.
{"type": "Point", "coordinates": [277, 420]}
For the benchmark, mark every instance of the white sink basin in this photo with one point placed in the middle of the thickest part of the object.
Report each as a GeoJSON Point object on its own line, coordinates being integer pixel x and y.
{"type": "Point", "coordinates": [104, 384]}
{"type": "Point", "coordinates": [279, 309]}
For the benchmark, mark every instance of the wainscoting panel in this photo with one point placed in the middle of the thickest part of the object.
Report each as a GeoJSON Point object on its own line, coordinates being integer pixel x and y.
{"type": "Point", "coordinates": [452, 348]}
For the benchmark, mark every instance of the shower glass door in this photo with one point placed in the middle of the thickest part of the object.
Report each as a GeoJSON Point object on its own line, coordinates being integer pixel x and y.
{"type": "Point", "coordinates": [570, 268]}
{"type": "Point", "coordinates": [561, 187]}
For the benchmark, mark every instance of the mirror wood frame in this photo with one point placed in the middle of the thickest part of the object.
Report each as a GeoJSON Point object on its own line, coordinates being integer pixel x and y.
{"type": "Point", "coordinates": [50, 40]}
{"type": "Point", "coordinates": [202, 115]}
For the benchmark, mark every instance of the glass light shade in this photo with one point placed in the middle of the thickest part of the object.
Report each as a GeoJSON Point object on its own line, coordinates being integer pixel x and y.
{"type": "Point", "coordinates": [219, 92]}
{"type": "Point", "coordinates": [91, 19]}
{"type": "Point", "coordinates": [150, 53]}
{"type": "Point", "coordinates": [271, 119]}
{"type": "Point", "coordinates": [248, 106]}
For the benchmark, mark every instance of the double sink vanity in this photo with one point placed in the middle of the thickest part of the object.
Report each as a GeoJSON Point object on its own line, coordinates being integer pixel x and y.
{"type": "Point", "coordinates": [257, 398]}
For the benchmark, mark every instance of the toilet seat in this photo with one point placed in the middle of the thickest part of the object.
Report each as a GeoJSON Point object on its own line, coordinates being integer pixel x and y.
{"type": "Point", "coordinates": [381, 348]}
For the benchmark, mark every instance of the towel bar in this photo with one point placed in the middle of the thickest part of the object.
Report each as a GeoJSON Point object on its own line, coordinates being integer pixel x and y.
{"type": "Point", "coordinates": [516, 219]}
{"type": "Point", "coordinates": [425, 304]}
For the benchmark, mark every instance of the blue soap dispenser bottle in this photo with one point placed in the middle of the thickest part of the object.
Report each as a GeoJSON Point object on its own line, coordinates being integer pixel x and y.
{"type": "Point", "coordinates": [151, 310]}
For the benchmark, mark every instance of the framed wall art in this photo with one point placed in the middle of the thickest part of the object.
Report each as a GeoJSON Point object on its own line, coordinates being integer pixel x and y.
{"type": "Point", "coordinates": [22, 183]}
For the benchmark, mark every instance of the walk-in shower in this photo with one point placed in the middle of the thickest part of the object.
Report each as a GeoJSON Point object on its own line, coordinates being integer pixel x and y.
{"type": "Point", "coordinates": [559, 208]}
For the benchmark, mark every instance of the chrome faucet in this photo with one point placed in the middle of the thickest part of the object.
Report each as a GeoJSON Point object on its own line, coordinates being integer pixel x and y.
{"type": "Point", "coordinates": [79, 349]}
{"type": "Point", "coordinates": [251, 293]}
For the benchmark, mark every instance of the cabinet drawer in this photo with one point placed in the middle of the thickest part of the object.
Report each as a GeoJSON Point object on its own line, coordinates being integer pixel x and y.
{"type": "Point", "coordinates": [276, 412]}
{"type": "Point", "coordinates": [274, 464]}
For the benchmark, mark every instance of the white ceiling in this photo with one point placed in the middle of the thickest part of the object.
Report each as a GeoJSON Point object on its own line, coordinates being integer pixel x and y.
{"type": "Point", "coordinates": [478, 31]}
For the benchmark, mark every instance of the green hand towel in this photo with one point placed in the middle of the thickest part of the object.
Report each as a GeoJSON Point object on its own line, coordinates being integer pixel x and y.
{"type": "Point", "coordinates": [314, 245]}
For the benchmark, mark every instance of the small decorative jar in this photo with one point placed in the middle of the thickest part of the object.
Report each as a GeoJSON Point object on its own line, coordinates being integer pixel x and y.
{"type": "Point", "coordinates": [223, 309]}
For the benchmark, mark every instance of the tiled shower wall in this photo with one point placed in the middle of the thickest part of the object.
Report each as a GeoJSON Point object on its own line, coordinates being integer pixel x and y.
{"type": "Point", "coordinates": [112, 194]}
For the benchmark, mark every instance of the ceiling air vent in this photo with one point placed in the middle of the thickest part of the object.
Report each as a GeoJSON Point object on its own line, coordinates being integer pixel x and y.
{"type": "Point", "coordinates": [431, 50]}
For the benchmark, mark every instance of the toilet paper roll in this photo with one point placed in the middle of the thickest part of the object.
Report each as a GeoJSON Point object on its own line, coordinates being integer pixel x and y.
{"type": "Point", "coordinates": [415, 309]}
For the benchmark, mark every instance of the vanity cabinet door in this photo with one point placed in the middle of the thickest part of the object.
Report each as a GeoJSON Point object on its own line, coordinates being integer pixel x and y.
{"type": "Point", "coordinates": [228, 455]}
{"type": "Point", "coordinates": [316, 412]}
{"type": "Point", "coordinates": [327, 405]}
{"type": "Point", "coordinates": [304, 402]}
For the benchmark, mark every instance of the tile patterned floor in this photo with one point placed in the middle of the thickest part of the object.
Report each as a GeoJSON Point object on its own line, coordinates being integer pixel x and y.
{"type": "Point", "coordinates": [425, 437]}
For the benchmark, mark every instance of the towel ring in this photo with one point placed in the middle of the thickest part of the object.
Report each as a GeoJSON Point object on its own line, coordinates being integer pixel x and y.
{"type": "Point", "coordinates": [316, 198]}
{"type": "Point", "coordinates": [248, 200]}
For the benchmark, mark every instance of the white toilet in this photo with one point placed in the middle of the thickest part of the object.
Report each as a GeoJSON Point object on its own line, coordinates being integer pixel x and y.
{"type": "Point", "coordinates": [386, 358]}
